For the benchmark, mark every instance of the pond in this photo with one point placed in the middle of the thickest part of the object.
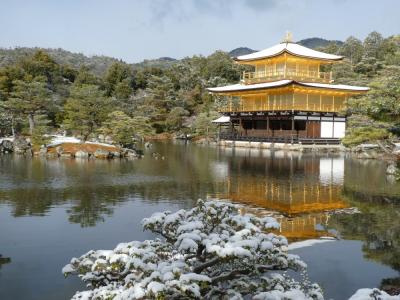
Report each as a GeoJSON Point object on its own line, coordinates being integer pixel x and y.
{"type": "Point", "coordinates": [52, 210]}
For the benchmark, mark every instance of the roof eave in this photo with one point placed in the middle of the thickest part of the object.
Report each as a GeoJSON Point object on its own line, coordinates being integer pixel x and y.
{"type": "Point", "coordinates": [291, 53]}
{"type": "Point", "coordinates": [292, 82]}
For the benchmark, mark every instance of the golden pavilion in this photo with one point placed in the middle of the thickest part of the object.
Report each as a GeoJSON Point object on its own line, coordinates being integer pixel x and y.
{"type": "Point", "coordinates": [287, 98]}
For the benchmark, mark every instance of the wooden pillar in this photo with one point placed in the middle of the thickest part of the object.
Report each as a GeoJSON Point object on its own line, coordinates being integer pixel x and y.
{"type": "Point", "coordinates": [320, 102]}
{"type": "Point", "coordinates": [292, 127]}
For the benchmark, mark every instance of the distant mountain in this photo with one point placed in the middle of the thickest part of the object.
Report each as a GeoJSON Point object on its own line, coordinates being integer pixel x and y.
{"type": "Point", "coordinates": [316, 42]}
{"type": "Point", "coordinates": [241, 51]}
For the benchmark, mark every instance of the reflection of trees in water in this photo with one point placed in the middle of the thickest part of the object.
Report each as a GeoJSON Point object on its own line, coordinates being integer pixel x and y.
{"type": "Point", "coordinates": [377, 225]}
{"type": "Point", "coordinates": [378, 198]}
{"type": "Point", "coordinates": [93, 188]}
{"type": "Point", "coordinates": [368, 178]}
{"type": "Point", "coordinates": [90, 204]}
{"type": "Point", "coordinates": [4, 260]}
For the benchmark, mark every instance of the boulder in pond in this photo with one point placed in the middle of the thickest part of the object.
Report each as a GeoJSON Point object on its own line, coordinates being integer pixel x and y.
{"type": "Point", "coordinates": [81, 154]}
{"type": "Point", "coordinates": [21, 145]}
{"type": "Point", "coordinates": [101, 153]}
{"type": "Point", "coordinates": [43, 151]}
{"type": "Point", "coordinates": [116, 154]}
{"type": "Point", "coordinates": [59, 150]}
{"type": "Point", "coordinates": [130, 153]}
{"type": "Point", "coordinates": [7, 146]}
{"type": "Point", "coordinates": [391, 169]}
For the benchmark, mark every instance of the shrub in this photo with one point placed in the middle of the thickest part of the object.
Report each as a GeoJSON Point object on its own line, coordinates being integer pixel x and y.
{"type": "Point", "coordinates": [360, 135]}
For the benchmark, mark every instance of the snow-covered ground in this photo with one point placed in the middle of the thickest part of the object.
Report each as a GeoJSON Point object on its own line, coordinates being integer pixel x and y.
{"type": "Point", "coordinates": [60, 139]}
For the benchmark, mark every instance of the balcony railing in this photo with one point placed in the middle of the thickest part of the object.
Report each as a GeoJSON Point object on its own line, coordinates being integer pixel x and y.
{"type": "Point", "coordinates": [253, 107]}
{"type": "Point", "coordinates": [309, 76]}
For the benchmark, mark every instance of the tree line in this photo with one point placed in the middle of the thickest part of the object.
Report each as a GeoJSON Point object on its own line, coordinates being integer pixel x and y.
{"type": "Point", "coordinates": [374, 62]}
{"type": "Point", "coordinates": [41, 95]}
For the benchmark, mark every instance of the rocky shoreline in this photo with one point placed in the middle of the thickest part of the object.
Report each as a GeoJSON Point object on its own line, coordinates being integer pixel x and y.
{"type": "Point", "coordinates": [82, 150]}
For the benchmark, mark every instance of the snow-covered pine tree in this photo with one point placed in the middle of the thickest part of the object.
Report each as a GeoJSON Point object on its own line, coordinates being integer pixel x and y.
{"type": "Point", "coordinates": [208, 252]}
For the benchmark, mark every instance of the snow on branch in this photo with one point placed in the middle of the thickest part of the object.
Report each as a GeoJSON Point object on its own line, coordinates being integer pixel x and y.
{"type": "Point", "coordinates": [208, 252]}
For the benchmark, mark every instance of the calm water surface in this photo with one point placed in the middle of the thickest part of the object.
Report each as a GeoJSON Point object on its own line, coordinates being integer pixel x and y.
{"type": "Point", "coordinates": [52, 210]}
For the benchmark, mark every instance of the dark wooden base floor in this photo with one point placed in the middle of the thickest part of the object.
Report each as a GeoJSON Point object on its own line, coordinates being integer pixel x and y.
{"type": "Point", "coordinates": [283, 139]}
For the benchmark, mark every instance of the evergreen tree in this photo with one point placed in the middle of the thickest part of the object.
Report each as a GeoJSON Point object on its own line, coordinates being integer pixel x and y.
{"type": "Point", "coordinates": [352, 49]}
{"type": "Point", "coordinates": [86, 109]}
{"type": "Point", "coordinates": [117, 73]}
{"type": "Point", "coordinates": [29, 98]}
{"type": "Point", "coordinates": [124, 129]}
{"type": "Point", "coordinates": [372, 45]}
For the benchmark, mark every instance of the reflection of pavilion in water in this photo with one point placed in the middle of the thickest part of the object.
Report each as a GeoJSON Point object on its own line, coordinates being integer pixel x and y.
{"type": "Point", "coordinates": [301, 189]}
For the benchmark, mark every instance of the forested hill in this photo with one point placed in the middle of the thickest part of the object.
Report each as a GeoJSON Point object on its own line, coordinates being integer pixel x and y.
{"type": "Point", "coordinates": [316, 42]}
{"type": "Point", "coordinates": [241, 51]}
{"type": "Point", "coordinates": [45, 90]}
{"type": "Point", "coordinates": [97, 64]}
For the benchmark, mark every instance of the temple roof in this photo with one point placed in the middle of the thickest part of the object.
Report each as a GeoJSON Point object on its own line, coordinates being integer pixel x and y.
{"type": "Point", "coordinates": [280, 83]}
{"type": "Point", "coordinates": [290, 48]}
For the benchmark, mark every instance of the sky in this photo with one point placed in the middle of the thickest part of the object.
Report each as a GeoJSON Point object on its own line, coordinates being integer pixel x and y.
{"type": "Point", "coordinates": [133, 30]}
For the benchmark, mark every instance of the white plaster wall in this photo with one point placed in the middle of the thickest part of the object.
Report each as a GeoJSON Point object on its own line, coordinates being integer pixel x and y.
{"type": "Point", "coordinates": [326, 129]}
{"type": "Point", "coordinates": [339, 129]}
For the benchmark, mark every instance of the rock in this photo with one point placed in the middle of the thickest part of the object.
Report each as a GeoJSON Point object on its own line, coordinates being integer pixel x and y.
{"type": "Point", "coordinates": [391, 169]}
{"type": "Point", "coordinates": [21, 145]}
{"type": "Point", "coordinates": [43, 151]}
{"type": "Point", "coordinates": [396, 152]}
{"type": "Point", "coordinates": [65, 155]}
{"type": "Point", "coordinates": [130, 153]}
{"type": "Point", "coordinates": [116, 154]}
{"type": "Point", "coordinates": [59, 150]}
{"type": "Point", "coordinates": [108, 140]}
{"type": "Point", "coordinates": [7, 146]}
{"type": "Point", "coordinates": [101, 138]}
{"type": "Point", "coordinates": [100, 153]}
{"type": "Point", "coordinates": [369, 154]}
{"type": "Point", "coordinates": [148, 145]}
{"type": "Point", "coordinates": [81, 154]}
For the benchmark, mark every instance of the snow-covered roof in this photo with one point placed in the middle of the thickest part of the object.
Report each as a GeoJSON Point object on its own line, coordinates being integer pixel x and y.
{"type": "Point", "coordinates": [222, 119]}
{"type": "Point", "coordinates": [290, 48]}
{"type": "Point", "coordinates": [243, 87]}
{"type": "Point", "coordinates": [335, 86]}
